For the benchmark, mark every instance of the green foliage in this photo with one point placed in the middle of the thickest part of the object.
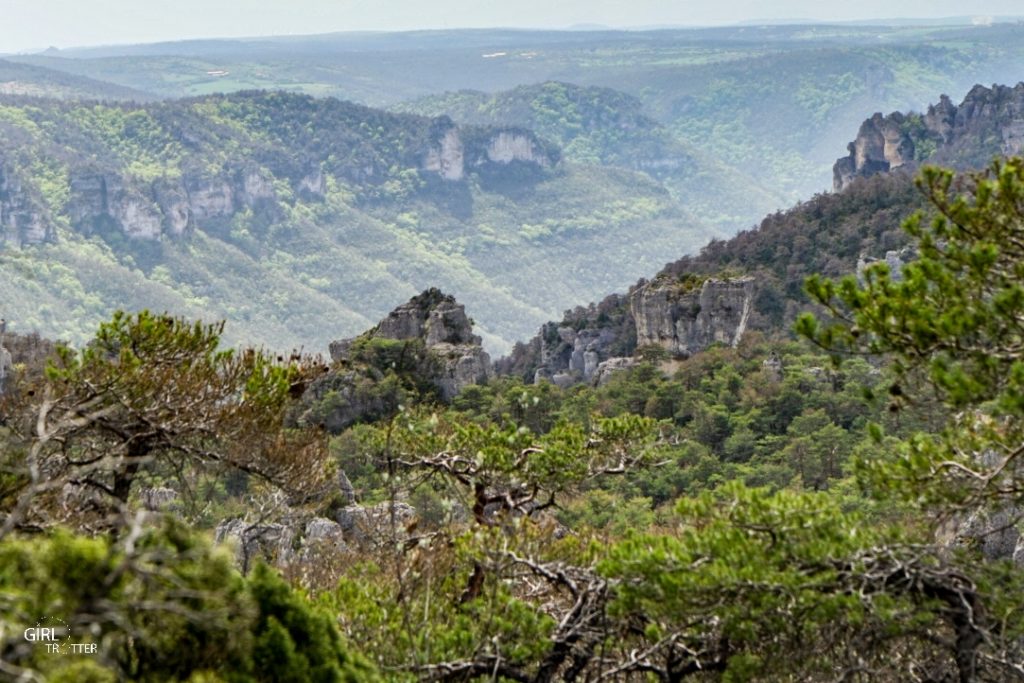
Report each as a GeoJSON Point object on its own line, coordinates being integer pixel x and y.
{"type": "Point", "coordinates": [297, 210]}
{"type": "Point", "coordinates": [948, 321]}
{"type": "Point", "coordinates": [163, 607]}
{"type": "Point", "coordinates": [297, 641]}
{"type": "Point", "coordinates": [757, 586]}
{"type": "Point", "coordinates": [155, 397]}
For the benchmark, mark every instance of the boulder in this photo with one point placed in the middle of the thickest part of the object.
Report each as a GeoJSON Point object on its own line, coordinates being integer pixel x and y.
{"type": "Point", "coordinates": [272, 542]}
{"type": "Point", "coordinates": [376, 524]}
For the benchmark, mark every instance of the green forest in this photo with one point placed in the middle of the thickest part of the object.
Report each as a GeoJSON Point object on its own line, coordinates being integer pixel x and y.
{"type": "Point", "coordinates": [301, 220]}
{"type": "Point", "coordinates": [834, 502]}
{"type": "Point", "coordinates": [770, 105]}
{"type": "Point", "coordinates": [299, 381]}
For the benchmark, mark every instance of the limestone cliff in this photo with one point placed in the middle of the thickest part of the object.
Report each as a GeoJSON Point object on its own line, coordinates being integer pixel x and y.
{"type": "Point", "coordinates": [883, 144]}
{"type": "Point", "coordinates": [446, 155]}
{"type": "Point", "coordinates": [681, 315]}
{"type": "Point", "coordinates": [453, 149]}
{"type": "Point", "coordinates": [574, 349]}
{"type": "Point", "coordinates": [685, 318]}
{"type": "Point", "coordinates": [427, 343]}
{"type": "Point", "coordinates": [23, 217]}
{"type": "Point", "coordinates": [179, 172]}
{"type": "Point", "coordinates": [989, 122]}
{"type": "Point", "coordinates": [165, 207]}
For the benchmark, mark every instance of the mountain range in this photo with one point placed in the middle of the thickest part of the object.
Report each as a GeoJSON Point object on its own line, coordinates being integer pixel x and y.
{"type": "Point", "coordinates": [299, 219]}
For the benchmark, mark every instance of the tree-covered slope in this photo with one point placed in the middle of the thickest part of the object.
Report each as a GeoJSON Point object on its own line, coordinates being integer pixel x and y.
{"type": "Point", "coordinates": [302, 220]}
{"type": "Point", "coordinates": [756, 279]}
{"type": "Point", "coordinates": [829, 234]}
{"type": "Point", "coordinates": [774, 102]}
{"type": "Point", "coordinates": [597, 125]}
{"type": "Point", "coordinates": [39, 81]}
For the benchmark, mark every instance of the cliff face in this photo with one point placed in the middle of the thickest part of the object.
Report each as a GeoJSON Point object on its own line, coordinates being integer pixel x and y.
{"type": "Point", "coordinates": [165, 207]}
{"type": "Point", "coordinates": [685, 319]}
{"type": "Point", "coordinates": [568, 355]}
{"type": "Point", "coordinates": [207, 172]}
{"type": "Point", "coordinates": [883, 144]}
{"type": "Point", "coordinates": [23, 219]}
{"type": "Point", "coordinates": [989, 122]}
{"type": "Point", "coordinates": [443, 356]}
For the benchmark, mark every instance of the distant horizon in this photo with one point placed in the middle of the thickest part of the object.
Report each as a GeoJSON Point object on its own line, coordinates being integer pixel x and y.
{"type": "Point", "coordinates": [74, 25]}
{"type": "Point", "coordinates": [965, 20]}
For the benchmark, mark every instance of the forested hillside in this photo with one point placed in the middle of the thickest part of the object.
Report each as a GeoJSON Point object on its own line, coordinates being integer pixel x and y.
{"type": "Point", "coordinates": [37, 81]}
{"type": "Point", "coordinates": [772, 102]}
{"type": "Point", "coordinates": [603, 126]}
{"type": "Point", "coordinates": [787, 453]}
{"type": "Point", "coordinates": [300, 220]}
{"type": "Point", "coordinates": [842, 505]}
{"type": "Point", "coordinates": [832, 234]}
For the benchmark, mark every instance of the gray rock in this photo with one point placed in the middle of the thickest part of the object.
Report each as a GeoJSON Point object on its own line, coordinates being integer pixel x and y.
{"type": "Point", "coordinates": [158, 498]}
{"type": "Point", "coordinates": [455, 358]}
{"type": "Point", "coordinates": [989, 122]}
{"type": "Point", "coordinates": [608, 368]}
{"type": "Point", "coordinates": [23, 221]}
{"type": "Point", "coordinates": [774, 367]}
{"type": "Point", "coordinates": [446, 156]}
{"type": "Point", "coordinates": [210, 198]}
{"type": "Point", "coordinates": [376, 524]}
{"type": "Point", "coordinates": [273, 543]}
{"type": "Point", "coordinates": [6, 367]}
{"type": "Point", "coordinates": [348, 491]}
{"type": "Point", "coordinates": [685, 319]}
{"type": "Point", "coordinates": [572, 356]}
{"type": "Point", "coordinates": [895, 260]}
{"type": "Point", "coordinates": [994, 534]}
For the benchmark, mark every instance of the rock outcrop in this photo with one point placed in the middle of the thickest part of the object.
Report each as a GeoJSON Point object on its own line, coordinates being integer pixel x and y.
{"type": "Point", "coordinates": [883, 144]}
{"type": "Point", "coordinates": [607, 369]}
{"type": "Point", "coordinates": [568, 355]}
{"type": "Point", "coordinates": [452, 149]}
{"type": "Point", "coordinates": [989, 122]}
{"type": "Point", "coordinates": [165, 207]}
{"type": "Point", "coordinates": [376, 524]}
{"type": "Point", "coordinates": [295, 540]}
{"type": "Point", "coordinates": [571, 351]}
{"type": "Point", "coordinates": [446, 156]}
{"type": "Point", "coordinates": [441, 358]}
{"type": "Point", "coordinates": [681, 315]}
{"type": "Point", "coordinates": [894, 259]}
{"type": "Point", "coordinates": [6, 366]}
{"type": "Point", "coordinates": [23, 219]}
{"type": "Point", "coordinates": [685, 318]}
{"type": "Point", "coordinates": [440, 322]}
{"type": "Point", "coordinates": [511, 145]}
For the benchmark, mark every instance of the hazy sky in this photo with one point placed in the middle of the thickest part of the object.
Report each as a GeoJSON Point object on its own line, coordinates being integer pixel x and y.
{"type": "Point", "coordinates": [32, 24]}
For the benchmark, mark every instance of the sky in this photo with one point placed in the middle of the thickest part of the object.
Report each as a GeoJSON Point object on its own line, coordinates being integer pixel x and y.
{"type": "Point", "coordinates": [36, 24]}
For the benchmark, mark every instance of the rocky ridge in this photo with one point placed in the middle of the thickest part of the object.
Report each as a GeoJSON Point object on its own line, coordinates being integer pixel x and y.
{"type": "Point", "coordinates": [440, 322]}
{"type": "Point", "coordinates": [108, 194]}
{"type": "Point", "coordinates": [687, 317]}
{"type": "Point", "coordinates": [683, 316]}
{"type": "Point", "coordinates": [988, 123]}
